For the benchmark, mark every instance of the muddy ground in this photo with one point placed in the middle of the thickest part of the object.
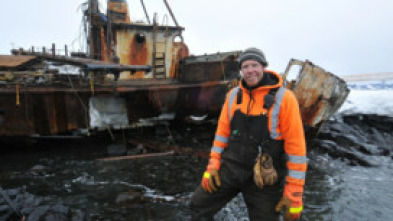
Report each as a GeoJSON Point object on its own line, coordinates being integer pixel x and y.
{"type": "Point", "coordinates": [349, 176]}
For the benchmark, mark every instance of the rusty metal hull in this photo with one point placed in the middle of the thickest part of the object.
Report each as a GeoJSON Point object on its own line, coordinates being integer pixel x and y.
{"type": "Point", "coordinates": [56, 101]}
{"type": "Point", "coordinates": [54, 110]}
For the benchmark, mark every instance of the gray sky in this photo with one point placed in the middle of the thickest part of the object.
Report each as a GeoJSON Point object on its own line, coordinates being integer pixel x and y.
{"type": "Point", "coordinates": [342, 36]}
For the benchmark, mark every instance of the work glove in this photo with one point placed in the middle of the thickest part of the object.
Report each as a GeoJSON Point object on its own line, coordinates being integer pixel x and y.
{"type": "Point", "coordinates": [264, 172]}
{"type": "Point", "coordinates": [269, 174]}
{"type": "Point", "coordinates": [292, 201]}
{"type": "Point", "coordinates": [211, 179]}
{"type": "Point", "coordinates": [258, 179]}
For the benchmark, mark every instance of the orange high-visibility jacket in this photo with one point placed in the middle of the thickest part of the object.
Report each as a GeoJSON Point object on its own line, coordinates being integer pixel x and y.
{"type": "Point", "coordinates": [284, 122]}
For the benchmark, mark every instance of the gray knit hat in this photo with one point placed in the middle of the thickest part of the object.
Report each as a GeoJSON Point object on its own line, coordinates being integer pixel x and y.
{"type": "Point", "coordinates": [252, 54]}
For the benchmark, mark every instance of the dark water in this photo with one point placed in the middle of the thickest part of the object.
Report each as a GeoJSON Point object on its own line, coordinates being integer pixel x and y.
{"type": "Point", "coordinates": [349, 178]}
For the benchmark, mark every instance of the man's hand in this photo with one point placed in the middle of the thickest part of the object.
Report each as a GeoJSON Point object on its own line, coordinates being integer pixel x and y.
{"type": "Point", "coordinates": [292, 209]}
{"type": "Point", "coordinates": [211, 180]}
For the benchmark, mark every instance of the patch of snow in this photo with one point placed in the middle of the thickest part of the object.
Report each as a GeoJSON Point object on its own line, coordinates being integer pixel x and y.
{"type": "Point", "coordinates": [64, 69]}
{"type": "Point", "coordinates": [379, 102]}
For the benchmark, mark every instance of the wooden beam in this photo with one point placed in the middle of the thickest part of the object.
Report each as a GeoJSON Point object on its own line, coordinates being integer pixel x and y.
{"type": "Point", "coordinates": [132, 157]}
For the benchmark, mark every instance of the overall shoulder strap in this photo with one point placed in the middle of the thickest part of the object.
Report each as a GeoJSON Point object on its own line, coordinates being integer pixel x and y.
{"type": "Point", "coordinates": [269, 98]}
{"type": "Point", "coordinates": [233, 93]}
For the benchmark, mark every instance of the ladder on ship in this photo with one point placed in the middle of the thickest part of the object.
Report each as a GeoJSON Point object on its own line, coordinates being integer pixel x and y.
{"type": "Point", "coordinates": [159, 52]}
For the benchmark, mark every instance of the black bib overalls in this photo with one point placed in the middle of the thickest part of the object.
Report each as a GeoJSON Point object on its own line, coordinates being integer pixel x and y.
{"type": "Point", "coordinates": [236, 172]}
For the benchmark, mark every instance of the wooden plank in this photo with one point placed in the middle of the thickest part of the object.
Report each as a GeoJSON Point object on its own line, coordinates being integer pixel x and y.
{"type": "Point", "coordinates": [132, 157]}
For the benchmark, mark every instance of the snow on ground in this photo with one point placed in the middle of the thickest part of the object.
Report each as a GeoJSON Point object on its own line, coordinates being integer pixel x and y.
{"type": "Point", "coordinates": [379, 102]}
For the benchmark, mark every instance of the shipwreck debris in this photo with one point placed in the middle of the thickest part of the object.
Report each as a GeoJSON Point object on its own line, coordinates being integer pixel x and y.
{"type": "Point", "coordinates": [319, 93]}
{"type": "Point", "coordinates": [131, 72]}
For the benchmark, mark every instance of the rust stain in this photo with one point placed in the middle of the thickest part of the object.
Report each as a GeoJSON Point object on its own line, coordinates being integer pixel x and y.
{"type": "Point", "coordinates": [311, 111]}
{"type": "Point", "coordinates": [139, 51]}
{"type": "Point", "coordinates": [103, 46]}
{"type": "Point", "coordinates": [138, 54]}
{"type": "Point", "coordinates": [181, 51]}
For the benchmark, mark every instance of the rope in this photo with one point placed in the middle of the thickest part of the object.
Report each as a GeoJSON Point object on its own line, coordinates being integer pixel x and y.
{"type": "Point", "coordinates": [91, 78]}
{"type": "Point", "coordinates": [17, 94]}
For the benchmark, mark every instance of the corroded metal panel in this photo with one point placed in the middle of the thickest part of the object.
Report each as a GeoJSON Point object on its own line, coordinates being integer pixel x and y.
{"type": "Point", "coordinates": [318, 92]}
{"type": "Point", "coordinates": [60, 109]}
{"type": "Point", "coordinates": [16, 118]}
{"type": "Point", "coordinates": [133, 48]}
{"type": "Point", "coordinates": [211, 67]}
{"type": "Point", "coordinates": [179, 51]}
{"type": "Point", "coordinates": [136, 46]}
{"type": "Point", "coordinates": [13, 61]}
{"type": "Point", "coordinates": [47, 112]}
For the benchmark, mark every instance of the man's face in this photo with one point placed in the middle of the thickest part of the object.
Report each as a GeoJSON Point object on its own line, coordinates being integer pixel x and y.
{"type": "Point", "coordinates": [252, 72]}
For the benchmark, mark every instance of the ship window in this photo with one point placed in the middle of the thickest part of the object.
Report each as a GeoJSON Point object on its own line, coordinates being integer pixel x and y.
{"type": "Point", "coordinates": [293, 72]}
{"type": "Point", "coordinates": [140, 38]}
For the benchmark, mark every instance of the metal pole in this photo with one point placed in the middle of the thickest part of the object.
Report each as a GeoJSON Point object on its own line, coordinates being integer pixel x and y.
{"type": "Point", "coordinates": [144, 9]}
{"type": "Point", "coordinates": [53, 49]}
{"type": "Point", "coordinates": [171, 13]}
{"type": "Point", "coordinates": [108, 34]}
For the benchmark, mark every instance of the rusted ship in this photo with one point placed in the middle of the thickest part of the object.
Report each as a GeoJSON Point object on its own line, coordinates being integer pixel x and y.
{"type": "Point", "coordinates": [133, 71]}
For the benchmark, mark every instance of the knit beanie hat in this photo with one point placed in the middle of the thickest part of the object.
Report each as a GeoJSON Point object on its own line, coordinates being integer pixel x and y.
{"type": "Point", "coordinates": [252, 54]}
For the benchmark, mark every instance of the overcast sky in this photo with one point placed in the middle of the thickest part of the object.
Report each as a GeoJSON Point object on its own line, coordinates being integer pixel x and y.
{"type": "Point", "coordinates": [342, 36]}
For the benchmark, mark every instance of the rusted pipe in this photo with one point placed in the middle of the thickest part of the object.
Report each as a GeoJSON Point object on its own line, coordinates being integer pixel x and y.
{"type": "Point", "coordinates": [117, 68]}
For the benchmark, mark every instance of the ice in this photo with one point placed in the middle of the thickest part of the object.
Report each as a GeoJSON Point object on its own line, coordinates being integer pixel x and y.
{"type": "Point", "coordinates": [373, 101]}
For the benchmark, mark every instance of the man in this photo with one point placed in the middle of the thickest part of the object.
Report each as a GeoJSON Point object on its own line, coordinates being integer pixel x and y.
{"type": "Point", "coordinates": [259, 148]}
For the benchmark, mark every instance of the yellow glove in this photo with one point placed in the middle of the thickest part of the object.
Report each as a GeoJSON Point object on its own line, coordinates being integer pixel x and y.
{"type": "Point", "coordinates": [293, 202]}
{"type": "Point", "coordinates": [211, 180]}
